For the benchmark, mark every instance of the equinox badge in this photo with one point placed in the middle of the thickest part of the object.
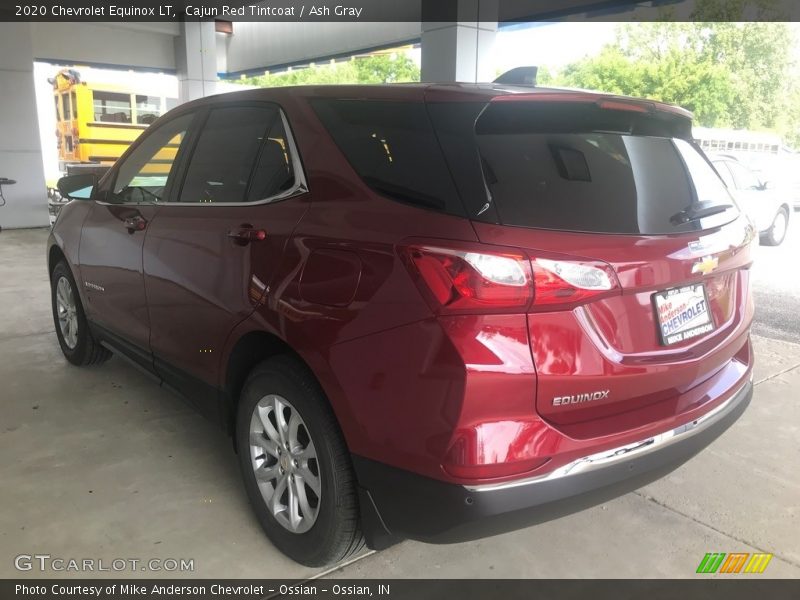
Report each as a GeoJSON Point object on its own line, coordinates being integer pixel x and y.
{"type": "Point", "coordinates": [578, 398]}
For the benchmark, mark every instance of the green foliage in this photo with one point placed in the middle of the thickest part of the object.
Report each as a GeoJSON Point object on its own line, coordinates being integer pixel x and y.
{"type": "Point", "coordinates": [544, 76]}
{"type": "Point", "coordinates": [384, 68]}
{"type": "Point", "coordinates": [738, 10]}
{"type": "Point", "coordinates": [379, 68]}
{"type": "Point", "coordinates": [737, 75]}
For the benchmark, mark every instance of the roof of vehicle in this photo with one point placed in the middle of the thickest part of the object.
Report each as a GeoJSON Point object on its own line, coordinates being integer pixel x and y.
{"type": "Point", "coordinates": [447, 92]}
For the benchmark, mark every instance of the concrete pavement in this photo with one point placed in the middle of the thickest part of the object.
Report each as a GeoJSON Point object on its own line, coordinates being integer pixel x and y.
{"type": "Point", "coordinates": [776, 286]}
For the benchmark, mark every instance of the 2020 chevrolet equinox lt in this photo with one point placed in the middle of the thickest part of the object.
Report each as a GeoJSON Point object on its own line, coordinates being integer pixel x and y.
{"type": "Point", "coordinates": [426, 311]}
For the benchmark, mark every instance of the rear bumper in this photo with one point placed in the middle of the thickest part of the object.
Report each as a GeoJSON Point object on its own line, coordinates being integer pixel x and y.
{"type": "Point", "coordinates": [403, 504]}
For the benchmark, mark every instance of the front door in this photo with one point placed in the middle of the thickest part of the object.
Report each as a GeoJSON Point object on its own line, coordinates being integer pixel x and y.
{"type": "Point", "coordinates": [114, 232]}
{"type": "Point", "coordinates": [212, 250]}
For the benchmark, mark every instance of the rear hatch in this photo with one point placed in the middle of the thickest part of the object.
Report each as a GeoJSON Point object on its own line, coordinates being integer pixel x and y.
{"type": "Point", "coordinates": [639, 253]}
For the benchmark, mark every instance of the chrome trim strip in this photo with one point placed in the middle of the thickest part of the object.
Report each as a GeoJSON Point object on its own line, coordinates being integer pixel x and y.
{"type": "Point", "coordinates": [622, 453]}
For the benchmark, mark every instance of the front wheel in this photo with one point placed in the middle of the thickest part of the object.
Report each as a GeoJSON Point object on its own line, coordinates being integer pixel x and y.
{"type": "Point", "coordinates": [775, 235]}
{"type": "Point", "coordinates": [296, 466]}
{"type": "Point", "coordinates": [72, 329]}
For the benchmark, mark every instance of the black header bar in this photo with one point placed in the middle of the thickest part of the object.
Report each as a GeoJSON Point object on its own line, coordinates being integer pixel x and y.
{"type": "Point", "coordinates": [366, 11]}
{"type": "Point", "coordinates": [732, 588]}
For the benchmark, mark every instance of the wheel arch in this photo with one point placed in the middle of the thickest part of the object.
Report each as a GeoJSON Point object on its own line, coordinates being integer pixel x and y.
{"type": "Point", "coordinates": [54, 255]}
{"type": "Point", "coordinates": [251, 348]}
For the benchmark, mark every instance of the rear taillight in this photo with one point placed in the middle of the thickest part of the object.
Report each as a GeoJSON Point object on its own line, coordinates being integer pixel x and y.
{"type": "Point", "coordinates": [568, 282]}
{"type": "Point", "coordinates": [463, 280]}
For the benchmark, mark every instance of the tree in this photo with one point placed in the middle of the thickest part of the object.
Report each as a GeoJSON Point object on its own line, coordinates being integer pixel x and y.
{"type": "Point", "coordinates": [378, 68]}
{"type": "Point", "coordinates": [703, 88]}
{"type": "Point", "coordinates": [729, 74]}
{"type": "Point", "coordinates": [385, 68]}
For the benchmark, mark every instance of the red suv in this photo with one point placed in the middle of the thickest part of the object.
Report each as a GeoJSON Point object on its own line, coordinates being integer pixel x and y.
{"type": "Point", "coordinates": [424, 311]}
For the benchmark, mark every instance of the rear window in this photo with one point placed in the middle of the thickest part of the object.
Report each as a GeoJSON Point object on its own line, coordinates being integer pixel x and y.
{"type": "Point", "coordinates": [582, 168]}
{"type": "Point", "coordinates": [393, 148]}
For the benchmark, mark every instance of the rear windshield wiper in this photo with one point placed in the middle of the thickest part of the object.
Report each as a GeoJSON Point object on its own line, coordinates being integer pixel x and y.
{"type": "Point", "coordinates": [693, 213]}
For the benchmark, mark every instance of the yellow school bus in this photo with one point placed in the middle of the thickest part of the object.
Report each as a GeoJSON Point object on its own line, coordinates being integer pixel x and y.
{"type": "Point", "coordinates": [95, 123]}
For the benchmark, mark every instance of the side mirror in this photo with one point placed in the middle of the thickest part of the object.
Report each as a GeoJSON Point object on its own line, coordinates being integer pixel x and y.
{"type": "Point", "coordinates": [764, 185]}
{"type": "Point", "coordinates": [77, 187]}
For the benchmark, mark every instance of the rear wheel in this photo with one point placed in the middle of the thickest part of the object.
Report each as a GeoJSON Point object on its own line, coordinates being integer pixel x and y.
{"type": "Point", "coordinates": [72, 328]}
{"type": "Point", "coordinates": [777, 232]}
{"type": "Point", "coordinates": [296, 466]}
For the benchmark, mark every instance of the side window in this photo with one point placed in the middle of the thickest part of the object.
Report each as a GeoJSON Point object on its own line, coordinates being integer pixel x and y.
{"type": "Point", "coordinates": [232, 142]}
{"type": "Point", "coordinates": [142, 177]}
{"type": "Point", "coordinates": [722, 169]}
{"type": "Point", "coordinates": [274, 173]}
{"type": "Point", "coordinates": [148, 109]}
{"type": "Point", "coordinates": [393, 148]}
{"type": "Point", "coordinates": [745, 178]}
{"type": "Point", "coordinates": [110, 107]}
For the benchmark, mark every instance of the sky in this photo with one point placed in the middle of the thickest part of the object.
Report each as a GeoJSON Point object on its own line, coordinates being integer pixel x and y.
{"type": "Point", "coordinates": [556, 44]}
{"type": "Point", "coordinates": [549, 44]}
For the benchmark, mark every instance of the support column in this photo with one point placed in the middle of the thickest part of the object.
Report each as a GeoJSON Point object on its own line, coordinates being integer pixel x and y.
{"type": "Point", "coordinates": [196, 60]}
{"type": "Point", "coordinates": [20, 145]}
{"type": "Point", "coordinates": [461, 50]}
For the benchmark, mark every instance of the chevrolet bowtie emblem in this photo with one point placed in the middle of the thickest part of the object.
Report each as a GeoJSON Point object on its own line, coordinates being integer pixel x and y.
{"type": "Point", "coordinates": [705, 266]}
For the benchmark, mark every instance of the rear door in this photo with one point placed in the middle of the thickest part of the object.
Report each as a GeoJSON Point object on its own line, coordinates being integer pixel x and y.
{"type": "Point", "coordinates": [638, 250]}
{"type": "Point", "coordinates": [211, 251]}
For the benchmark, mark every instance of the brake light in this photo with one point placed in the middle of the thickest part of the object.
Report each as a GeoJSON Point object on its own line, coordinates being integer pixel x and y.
{"type": "Point", "coordinates": [456, 280]}
{"type": "Point", "coordinates": [465, 281]}
{"type": "Point", "coordinates": [570, 282]}
{"type": "Point", "coordinates": [622, 105]}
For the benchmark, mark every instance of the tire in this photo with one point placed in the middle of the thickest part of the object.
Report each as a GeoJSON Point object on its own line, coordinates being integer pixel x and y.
{"type": "Point", "coordinates": [323, 529]}
{"type": "Point", "coordinates": [775, 235]}
{"type": "Point", "coordinates": [72, 329]}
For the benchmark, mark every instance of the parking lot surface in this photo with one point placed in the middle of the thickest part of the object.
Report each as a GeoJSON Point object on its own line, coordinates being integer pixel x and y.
{"type": "Point", "coordinates": [101, 463]}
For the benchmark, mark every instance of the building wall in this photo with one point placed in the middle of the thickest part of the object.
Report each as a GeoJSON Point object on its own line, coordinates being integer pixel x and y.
{"type": "Point", "coordinates": [20, 148]}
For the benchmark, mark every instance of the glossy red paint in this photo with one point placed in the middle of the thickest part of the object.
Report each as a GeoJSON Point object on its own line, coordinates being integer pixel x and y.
{"type": "Point", "coordinates": [612, 343]}
{"type": "Point", "coordinates": [195, 273]}
{"type": "Point", "coordinates": [462, 398]}
{"type": "Point", "coordinates": [110, 259]}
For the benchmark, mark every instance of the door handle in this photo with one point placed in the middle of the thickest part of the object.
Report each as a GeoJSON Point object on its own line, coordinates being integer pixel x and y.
{"type": "Point", "coordinates": [137, 223]}
{"type": "Point", "coordinates": [245, 235]}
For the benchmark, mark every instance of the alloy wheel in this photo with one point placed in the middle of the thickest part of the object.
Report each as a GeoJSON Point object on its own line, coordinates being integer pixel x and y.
{"type": "Point", "coordinates": [67, 310]}
{"type": "Point", "coordinates": [285, 463]}
{"type": "Point", "coordinates": [779, 226]}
